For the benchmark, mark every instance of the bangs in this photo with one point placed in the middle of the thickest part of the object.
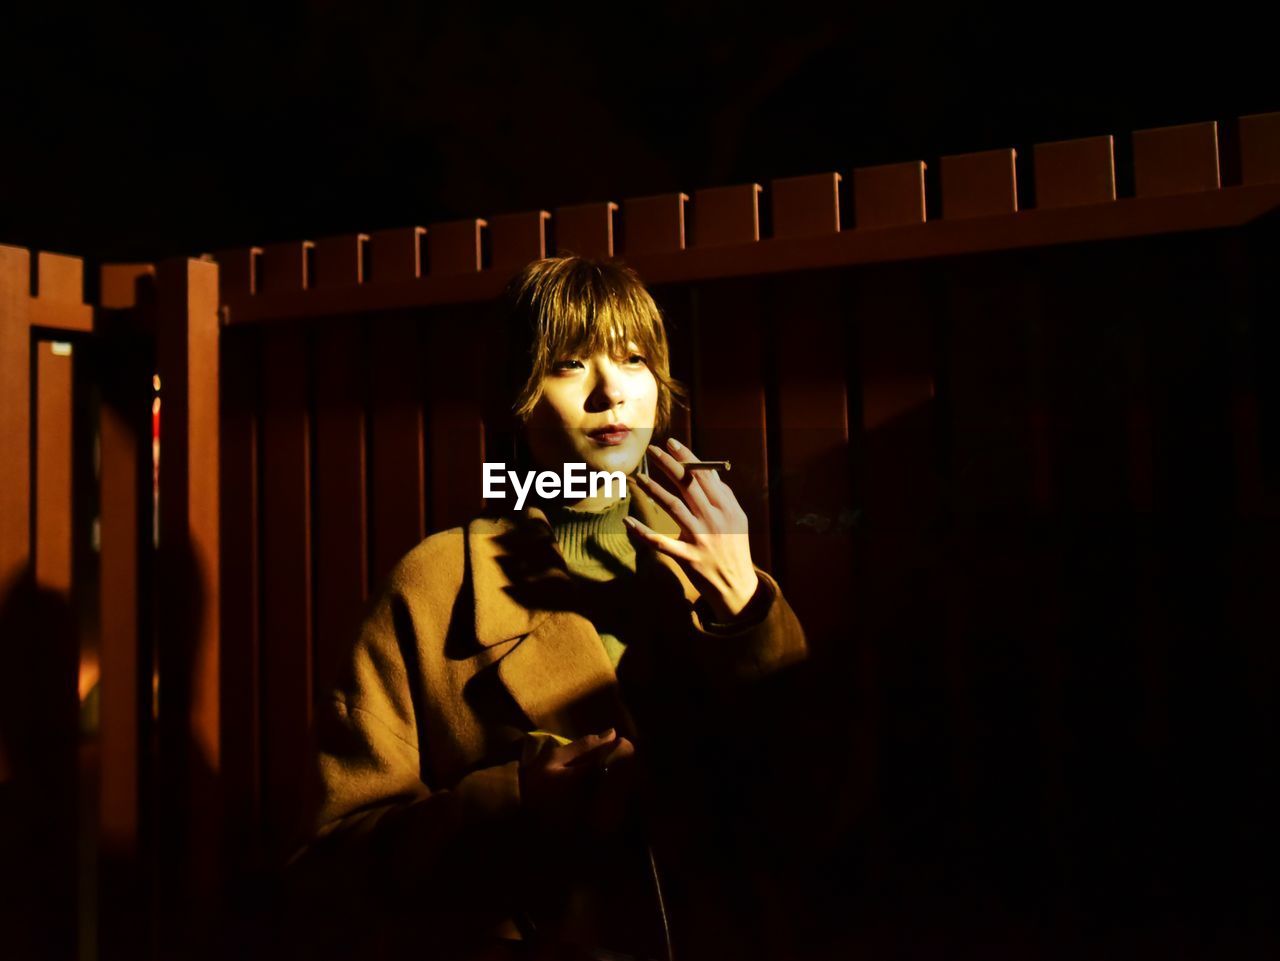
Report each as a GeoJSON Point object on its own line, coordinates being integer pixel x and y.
{"type": "Point", "coordinates": [574, 306]}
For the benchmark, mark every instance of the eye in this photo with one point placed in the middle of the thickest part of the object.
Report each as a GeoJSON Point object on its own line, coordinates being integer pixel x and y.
{"type": "Point", "coordinates": [566, 364]}
{"type": "Point", "coordinates": [634, 358]}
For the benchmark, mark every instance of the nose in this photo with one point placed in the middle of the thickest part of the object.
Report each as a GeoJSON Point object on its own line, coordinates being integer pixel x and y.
{"type": "Point", "coordinates": [609, 391]}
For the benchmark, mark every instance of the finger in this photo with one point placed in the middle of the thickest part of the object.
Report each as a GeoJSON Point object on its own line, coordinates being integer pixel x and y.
{"type": "Point", "coordinates": [660, 542]}
{"type": "Point", "coordinates": [588, 742]}
{"type": "Point", "coordinates": [674, 505]}
{"type": "Point", "coordinates": [708, 480]}
{"type": "Point", "coordinates": [686, 481]}
{"type": "Point", "coordinates": [592, 757]}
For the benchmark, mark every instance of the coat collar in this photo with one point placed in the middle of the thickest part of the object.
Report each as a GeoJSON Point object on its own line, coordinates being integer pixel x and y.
{"type": "Point", "coordinates": [558, 672]}
{"type": "Point", "coordinates": [508, 551]}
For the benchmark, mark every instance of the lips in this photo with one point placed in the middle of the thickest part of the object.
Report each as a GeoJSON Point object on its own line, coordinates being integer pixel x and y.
{"type": "Point", "coordinates": [610, 434]}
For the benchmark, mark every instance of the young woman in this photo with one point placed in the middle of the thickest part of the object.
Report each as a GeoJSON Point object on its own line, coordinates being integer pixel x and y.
{"type": "Point", "coordinates": [508, 761]}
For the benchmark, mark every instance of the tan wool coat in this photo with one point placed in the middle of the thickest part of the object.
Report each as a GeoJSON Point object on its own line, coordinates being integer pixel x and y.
{"type": "Point", "coordinates": [418, 836]}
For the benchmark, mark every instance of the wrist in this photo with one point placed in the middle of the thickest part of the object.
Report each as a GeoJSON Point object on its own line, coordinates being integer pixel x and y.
{"type": "Point", "coordinates": [727, 608]}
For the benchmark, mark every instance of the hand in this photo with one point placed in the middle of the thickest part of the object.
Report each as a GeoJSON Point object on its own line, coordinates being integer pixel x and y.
{"type": "Point", "coordinates": [565, 787]}
{"type": "Point", "coordinates": [713, 547]}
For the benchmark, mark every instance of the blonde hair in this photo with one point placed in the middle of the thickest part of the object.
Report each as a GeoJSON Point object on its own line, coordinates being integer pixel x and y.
{"type": "Point", "coordinates": [574, 305]}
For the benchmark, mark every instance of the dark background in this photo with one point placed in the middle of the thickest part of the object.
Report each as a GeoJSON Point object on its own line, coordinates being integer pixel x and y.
{"type": "Point", "coordinates": [143, 133]}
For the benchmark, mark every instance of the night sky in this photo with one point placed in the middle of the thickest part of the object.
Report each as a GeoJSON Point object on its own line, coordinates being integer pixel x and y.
{"type": "Point", "coordinates": [132, 134]}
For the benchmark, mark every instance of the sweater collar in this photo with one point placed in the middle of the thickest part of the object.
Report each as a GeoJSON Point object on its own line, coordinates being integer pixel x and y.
{"type": "Point", "coordinates": [515, 552]}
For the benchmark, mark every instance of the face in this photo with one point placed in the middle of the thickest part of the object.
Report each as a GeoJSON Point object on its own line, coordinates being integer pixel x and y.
{"type": "Point", "coordinates": [581, 396]}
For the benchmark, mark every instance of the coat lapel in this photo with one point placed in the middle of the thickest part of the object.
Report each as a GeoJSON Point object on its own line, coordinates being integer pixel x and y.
{"type": "Point", "coordinates": [558, 670]}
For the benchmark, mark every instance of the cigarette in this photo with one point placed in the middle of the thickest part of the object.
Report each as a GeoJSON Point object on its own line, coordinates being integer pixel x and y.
{"type": "Point", "coordinates": [705, 465]}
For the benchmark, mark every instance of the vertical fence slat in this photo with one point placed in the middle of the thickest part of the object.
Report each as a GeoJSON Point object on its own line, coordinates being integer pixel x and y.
{"type": "Point", "coordinates": [585, 229]}
{"type": "Point", "coordinates": [53, 467]}
{"type": "Point", "coordinates": [814, 490]}
{"type": "Point", "coordinates": [454, 247]}
{"type": "Point", "coordinates": [1260, 148]}
{"type": "Point", "coordinates": [396, 515]}
{"type": "Point", "coordinates": [188, 591]}
{"type": "Point", "coordinates": [339, 261]}
{"type": "Point", "coordinates": [241, 613]}
{"type": "Point", "coordinates": [806, 206]}
{"type": "Point", "coordinates": [729, 399]}
{"type": "Point", "coordinates": [981, 184]}
{"type": "Point", "coordinates": [15, 413]}
{"type": "Point", "coordinates": [889, 195]}
{"type": "Point", "coordinates": [516, 239]}
{"type": "Point", "coordinates": [1176, 160]}
{"type": "Point", "coordinates": [1071, 173]}
{"type": "Point", "coordinates": [654, 225]}
{"type": "Point", "coordinates": [126, 365]}
{"type": "Point", "coordinates": [726, 215]}
{"type": "Point", "coordinates": [455, 415]}
{"type": "Point", "coordinates": [341, 541]}
{"type": "Point", "coordinates": [395, 255]}
{"type": "Point", "coordinates": [287, 588]}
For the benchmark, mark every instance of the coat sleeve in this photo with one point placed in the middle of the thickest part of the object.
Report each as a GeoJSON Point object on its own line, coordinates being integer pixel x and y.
{"type": "Point", "coordinates": [384, 839]}
{"type": "Point", "coordinates": [765, 637]}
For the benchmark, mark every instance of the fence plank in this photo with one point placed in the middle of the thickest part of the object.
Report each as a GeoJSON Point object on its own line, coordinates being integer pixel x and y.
{"type": "Point", "coordinates": [726, 215]}
{"type": "Point", "coordinates": [339, 261]}
{"type": "Point", "coordinates": [188, 592]}
{"type": "Point", "coordinates": [285, 267]}
{"type": "Point", "coordinates": [1260, 148]}
{"type": "Point", "coordinates": [806, 206]}
{"type": "Point", "coordinates": [241, 379]}
{"type": "Point", "coordinates": [1071, 173]}
{"type": "Point", "coordinates": [516, 239]}
{"type": "Point", "coordinates": [397, 520]}
{"type": "Point", "coordinates": [454, 375]}
{"type": "Point", "coordinates": [585, 229]}
{"type": "Point", "coordinates": [654, 225]}
{"type": "Point", "coordinates": [1176, 160]}
{"type": "Point", "coordinates": [454, 247]}
{"type": "Point", "coordinates": [889, 195]}
{"type": "Point", "coordinates": [981, 184]}
{"type": "Point", "coordinates": [287, 675]}
{"type": "Point", "coordinates": [813, 490]}
{"type": "Point", "coordinates": [15, 414]}
{"type": "Point", "coordinates": [395, 255]}
{"type": "Point", "coordinates": [53, 467]}
{"type": "Point", "coordinates": [729, 399]}
{"type": "Point", "coordinates": [341, 537]}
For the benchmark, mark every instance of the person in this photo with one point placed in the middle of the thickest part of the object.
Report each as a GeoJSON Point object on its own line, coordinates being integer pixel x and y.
{"type": "Point", "coordinates": [508, 761]}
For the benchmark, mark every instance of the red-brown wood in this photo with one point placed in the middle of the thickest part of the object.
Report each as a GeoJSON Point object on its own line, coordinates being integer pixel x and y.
{"type": "Point", "coordinates": [889, 195]}
{"type": "Point", "coordinates": [59, 302]}
{"type": "Point", "coordinates": [395, 255]}
{"type": "Point", "coordinates": [287, 601]}
{"type": "Point", "coordinates": [806, 206]}
{"type": "Point", "coordinates": [813, 494]}
{"type": "Point", "coordinates": [285, 267]}
{"type": "Point", "coordinates": [339, 261]}
{"type": "Point", "coordinates": [53, 513]}
{"type": "Point", "coordinates": [729, 399]}
{"type": "Point", "coordinates": [1071, 173]}
{"type": "Point", "coordinates": [1176, 160]}
{"type": "Point", "coordinates": [1129, 218]}
{"type": "Point", "coordinates": [653, 224]}
{"type": "Point", "coordinates": [188, 589]}
{"type": "Point", "coordinates": [238, 271]}
{"type": "Point", "coordinates": [241, 683]}
{"type": "Point", "coordinates": [1260, 148]}
{"type": "Point", "coordinates": [119, 284]}
{"type": "Point", "coordinates": [981, 184]}
{"type": "Point", "coordinates": [585, 229]}
{"type": "Point", "coordinates": [724, 216]}
{"type": "Point", "coordinates": [15, 415]}
{"type": "Point", "coordinates": [396, 481]}
{"type": "Point", "coordinates": [454, 247]}
{"type": "Point", "coordinates": [454, 375]}
{"type": "Point", "coordinates": [516, 239]}
{"type": "Point", "coordinates": [339, 522]}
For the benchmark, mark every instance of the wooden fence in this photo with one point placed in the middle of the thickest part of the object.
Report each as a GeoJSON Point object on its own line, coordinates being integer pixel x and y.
{"type": "Point", "coordinates": [968, 445]}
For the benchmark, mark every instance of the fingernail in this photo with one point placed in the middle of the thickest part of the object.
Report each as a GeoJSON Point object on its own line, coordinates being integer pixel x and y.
{"type": "Point", "coordinates": [674, 444]}
{"type": "Point", "coordinates": [607, 733]}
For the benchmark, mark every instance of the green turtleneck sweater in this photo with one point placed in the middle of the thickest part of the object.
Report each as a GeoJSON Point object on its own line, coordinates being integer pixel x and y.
{"type": "Point", "coordinates": [596, 547]}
